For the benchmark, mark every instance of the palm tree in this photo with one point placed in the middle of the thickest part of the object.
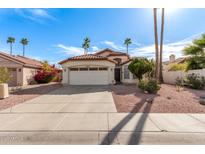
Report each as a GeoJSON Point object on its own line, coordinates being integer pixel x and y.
{"type": "Point", "coordinates": [86, 44]}
{"type": "Point", "coordinates": [24, 42]}
{"type": "Point", "coordinates": [161, 47]}
{"type": "Point", "coordinates": [156, 45]}
{"type": "Point", "coordinates": [11, 40]}
{"type": "Point", "coordinates": [127, 42]}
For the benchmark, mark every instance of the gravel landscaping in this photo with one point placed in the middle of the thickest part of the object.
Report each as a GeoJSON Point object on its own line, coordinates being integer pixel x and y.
{"type": "Point", "coordinates": [27, 94]}
{"type": "Point", "coordinates": [128, 98]}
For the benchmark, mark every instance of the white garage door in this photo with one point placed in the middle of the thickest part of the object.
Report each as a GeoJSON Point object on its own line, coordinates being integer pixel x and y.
{"type": "Point", "coordinates": [85, 76]}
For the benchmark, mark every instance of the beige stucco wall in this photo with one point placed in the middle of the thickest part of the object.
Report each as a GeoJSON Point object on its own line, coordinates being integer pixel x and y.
{"type": "Point", "coordinates": [131, 80]}
{"type": "Point", "coordinates": [23, 74]}
{"type": "Point", "coordinates": [10, 64]}
{"type": "Point", "coordinates": [171, 76]}
{"type": "Point", "coordinates": [123, 58]}
{"type": "Point", "coordinates": [88, 63]}
{"type": "Point", "coordinates": [28, 75]}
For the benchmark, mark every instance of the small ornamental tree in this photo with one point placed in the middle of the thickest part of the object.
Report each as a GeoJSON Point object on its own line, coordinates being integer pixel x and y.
{"type": "Point", "coordinates": [140, 67]}
{"type": "Point", "coordinates": [47, 74]}
{"type": "Point", "coordinates": [4, 75]}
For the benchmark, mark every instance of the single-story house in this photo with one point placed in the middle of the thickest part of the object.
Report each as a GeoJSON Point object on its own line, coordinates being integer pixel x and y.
{"type": "Point", "coordinates": [22, 69]}
{"type": "Point", "coordinates": [101, 68]}
{"type": "Point", "coordinates": [174, 60]}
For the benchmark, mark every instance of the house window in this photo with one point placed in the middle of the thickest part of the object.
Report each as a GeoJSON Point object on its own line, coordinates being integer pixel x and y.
{"type": "Point", "coordinates": [73, 69]}
{"type": "Point", "coordinates": [93, 68]}
{"type": "Point", "coordinates": [103, 68]}
{"type": "Point", "coordinates": [83, 69]}
{"type": "Point", "coordinates": [134, 77]}
{"type": "Point", "coordinates": [126, 72]}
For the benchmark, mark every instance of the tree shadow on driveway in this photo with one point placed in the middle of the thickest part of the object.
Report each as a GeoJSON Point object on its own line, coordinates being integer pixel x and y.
{"type": "Point", "coordinates": [137, 132]}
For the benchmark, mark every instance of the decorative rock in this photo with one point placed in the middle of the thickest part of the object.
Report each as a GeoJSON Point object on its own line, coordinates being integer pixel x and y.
{"type": "Point", "coordinates": [202, 100]}
{"type": "Point", "coordinates": [149, 100]}
{"type": "Point", "coordinates": [169, 97]}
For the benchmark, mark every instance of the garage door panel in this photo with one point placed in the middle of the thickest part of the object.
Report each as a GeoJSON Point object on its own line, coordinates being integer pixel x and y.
{"type": "Point", "coordinates": [88, 77]}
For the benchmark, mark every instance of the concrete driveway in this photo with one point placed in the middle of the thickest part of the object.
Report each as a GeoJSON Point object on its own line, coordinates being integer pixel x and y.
{"type": "Point", "coordinates": [87, 115]}
{"type": "Point", "coordinates": [86, 99]}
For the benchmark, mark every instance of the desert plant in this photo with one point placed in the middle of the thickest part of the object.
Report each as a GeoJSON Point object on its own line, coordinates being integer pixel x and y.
{"type": "Point", "coordinates": [149, 85]}
{"type": "Point", "coordinates": [4, 75]}
{"type": "Point", "coordinates": [179, 84]}
{"type": "Point", "coordinates": [195, 81]}
{"type": "Point", "coordinates": [178, 67]}
{"type": "Point", "coordinates": [140, 67]}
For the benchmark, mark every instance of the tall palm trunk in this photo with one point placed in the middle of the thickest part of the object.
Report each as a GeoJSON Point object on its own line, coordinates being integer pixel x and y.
{"type": "Point", "coordinates": [161, 47]}
{"type": "Point", "coordinates": [127, 48]}
{"type": "Point", "coordinates": [23, 50]}
{"type": "Point", "coordinates": [85, 51]}
{"type": "Point", "coordinates": [156, 45]}
{"type": "Point", "coordinates": [10, 48]}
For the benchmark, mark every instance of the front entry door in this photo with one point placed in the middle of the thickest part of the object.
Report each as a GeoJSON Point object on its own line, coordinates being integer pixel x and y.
{"type": "Point", "coordinates": [117, 75]}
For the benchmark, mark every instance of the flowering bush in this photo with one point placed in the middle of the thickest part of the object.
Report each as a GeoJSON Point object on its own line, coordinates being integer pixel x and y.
{"type": "Point", "coordinates": [47, 74]}
{"type": "Point", "coordinates": [44, 77]}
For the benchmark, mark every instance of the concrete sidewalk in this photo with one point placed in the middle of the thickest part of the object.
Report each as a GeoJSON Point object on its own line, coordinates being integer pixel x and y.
{"type": "Point", "coordinates": [101, 128]}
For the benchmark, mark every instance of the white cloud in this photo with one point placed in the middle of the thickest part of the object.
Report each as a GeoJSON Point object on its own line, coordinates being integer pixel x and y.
{"type": "Point", "coordinates": [168, 48]}
{"type": "Point", "coordinates": [37, 15]}
{"type": "Point", "coordinates": [70, 50]}
{"type": "Point", "coordinates": [95, 48]}
{"type": "Point", "coordinates": [113, 45]}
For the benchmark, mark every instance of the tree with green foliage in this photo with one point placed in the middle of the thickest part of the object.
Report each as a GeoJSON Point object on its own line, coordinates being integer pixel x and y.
{"type": "Point", "coordinates": [4, 75]}
{"type": "Point", "coordinates": [140, 67]}
{"type": "Point", "coordinates": [127, 42]}
{"type": "Point", "coordinates": [24, 42]}
{"type": "Point", "coordinates": [11, 40]}
{"type": "Point", "coordinates": [47, 67]}
{"type": "Point", "coordinates": [197, 52]}
{"type": "Point", "coordinates": [86, 44]}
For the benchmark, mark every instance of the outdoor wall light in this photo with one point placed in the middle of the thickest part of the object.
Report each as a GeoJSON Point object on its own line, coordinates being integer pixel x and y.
{"type": "Point", "coordinates": [64, 70]}
{"type": "Point", "coordinates": [19, 69]}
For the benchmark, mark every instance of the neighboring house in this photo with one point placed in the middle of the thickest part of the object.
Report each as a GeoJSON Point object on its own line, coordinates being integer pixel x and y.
{"type": "Point", "coordinates": [172, 60]}
{"type": "Point", "coordinates": [101, 68]}
{"type": "Point", "coordinates": [22, 69]}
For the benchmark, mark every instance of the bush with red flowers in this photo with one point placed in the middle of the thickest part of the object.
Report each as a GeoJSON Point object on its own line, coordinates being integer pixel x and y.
{"type": "Point", "coordinates": [47, 74]}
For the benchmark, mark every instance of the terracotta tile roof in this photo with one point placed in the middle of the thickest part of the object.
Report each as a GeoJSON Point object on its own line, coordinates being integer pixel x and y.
{"type": "Point", "coordinates": [125, 62]}
{"type": "Point", "coordinates": [178, 60]}
{"type": "Point", "coordinates": [87, 57]}
{"type": "Point", "coordinates": [29, 61]}
{"type": "Point", "coordinates": [112, 52]}
{"type": "Point", "coordinates": [23, 60]}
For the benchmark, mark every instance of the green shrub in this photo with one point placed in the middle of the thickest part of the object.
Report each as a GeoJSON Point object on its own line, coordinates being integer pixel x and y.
{"type": "Point", "coordinates": [141, 66]}
{"type": "Point", "coordinates": [149, 85]}
{"type": "Point", "coordinates": [4, 75]}
{"type": "Point", "coordinates": [179, 81]}
{"type": "Point", "coordinates": [194, 81]}
{"type": "Point", "coordinates": [178, 67]}
{"type": "Point", "coordinates": [196, 62]}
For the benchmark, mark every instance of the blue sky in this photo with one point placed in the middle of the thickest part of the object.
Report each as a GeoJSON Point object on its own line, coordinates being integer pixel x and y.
{"type": "Point", "coordinates": [56, 34]}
